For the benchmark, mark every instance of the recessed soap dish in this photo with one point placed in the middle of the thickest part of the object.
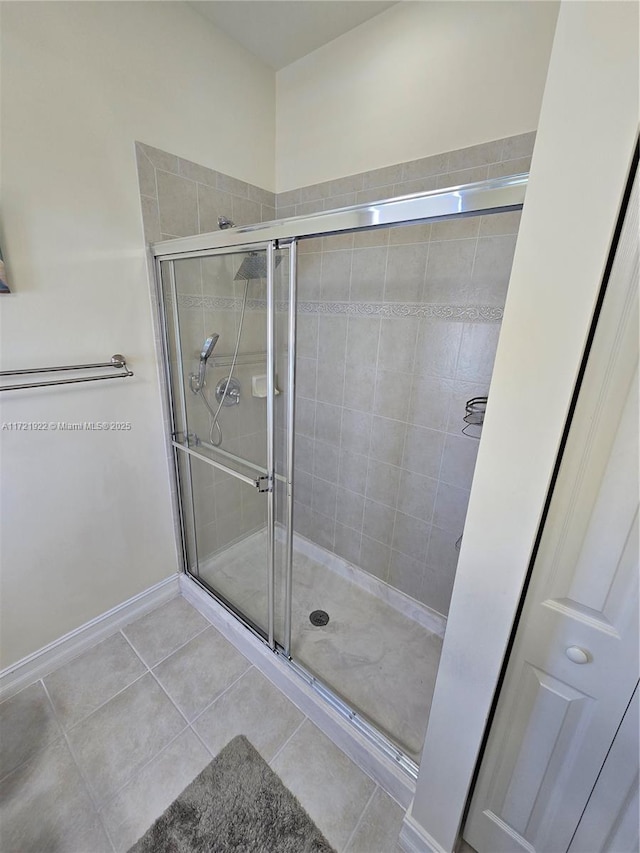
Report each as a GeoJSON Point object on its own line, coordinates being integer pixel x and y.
{"type": "Point", "coordinates": [259, 386]}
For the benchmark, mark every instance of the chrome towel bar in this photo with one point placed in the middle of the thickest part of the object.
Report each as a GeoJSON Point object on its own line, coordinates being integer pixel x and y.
{"type": "Point", "coordinates": [117, 361]}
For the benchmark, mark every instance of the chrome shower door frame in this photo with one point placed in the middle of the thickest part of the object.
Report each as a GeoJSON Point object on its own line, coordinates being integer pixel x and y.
{"type": "Point", "coordinates": [496, 195]}
{"type": "Point", "coordinates": [265, 477]}
{"type": "Point", "coordinates": [290, 430]}
{"type": "Point", "coordinates": [491, 196]}
{"type": "Point", "coordinates": [271, 540]}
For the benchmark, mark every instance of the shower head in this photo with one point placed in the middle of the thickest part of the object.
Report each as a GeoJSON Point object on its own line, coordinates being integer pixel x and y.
{"type": "Point", "coordinates": [253, 266]}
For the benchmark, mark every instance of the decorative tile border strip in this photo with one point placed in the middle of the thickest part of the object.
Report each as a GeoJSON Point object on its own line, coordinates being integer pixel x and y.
{"type": "Point", "coordinates": [385, 310]}
{"type": "Point", "coordinates": [394, 310]}
{"type": "Point", "coordinates": [218, 303]}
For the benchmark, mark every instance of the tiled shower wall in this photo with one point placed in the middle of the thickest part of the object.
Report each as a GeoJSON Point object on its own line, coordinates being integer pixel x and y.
{"type": "Point", "coordinates": [180, 198]}
{"type": "Point", "coordinates": [398, 328]}
{"type": "Point", "coordinates": [495, 159]}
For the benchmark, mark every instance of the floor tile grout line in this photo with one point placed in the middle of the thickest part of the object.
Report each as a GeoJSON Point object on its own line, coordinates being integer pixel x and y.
{"type": "Point", "coordinates": [44, 746]}
{"type": "Point", "coordinates": [226, 689]}
{"type": "Point", "coordinates": [188, 727]}
{"type": "Point", "coordinates": [166, 692]}
{"type": "Point", "coordinates": [102, 704]}
{"type": "Point", "coordinates": [135, 651]}
{"type": "Point", "coordinates": [182, 714]}
{"type": "Point", "coordinates": [90, 792]}
{"type": "Point", "coordinates": [345, 755]}
{"type": "Point", "coordinates": [174, 703]}
{"type": "Point", "coordinates": [290, 738]}
{"type": "Point", "coordinates": [109, 800]}
{"type": "Point", "coordinates": [100, 811]}
{"type": "Point", "coordinates": [359, 821]}
{"type": "Point", "coordinates": [201, 740]}
{"type": "Point", "coordinates": [177, 649]}
{"type": "Point", "coordinates": [75, 656]}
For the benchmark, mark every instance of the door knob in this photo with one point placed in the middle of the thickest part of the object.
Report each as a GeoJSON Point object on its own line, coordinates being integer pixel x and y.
{"type": "Point", "coordinates": [577, 655]}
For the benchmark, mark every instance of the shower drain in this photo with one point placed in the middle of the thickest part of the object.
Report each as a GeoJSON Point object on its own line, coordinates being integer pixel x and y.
{"type": "Point", "coordinates": [319, 617]}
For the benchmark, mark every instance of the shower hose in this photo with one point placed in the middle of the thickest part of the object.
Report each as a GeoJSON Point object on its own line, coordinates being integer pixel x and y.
{"type": "Point", "coordinates": [215, 424]}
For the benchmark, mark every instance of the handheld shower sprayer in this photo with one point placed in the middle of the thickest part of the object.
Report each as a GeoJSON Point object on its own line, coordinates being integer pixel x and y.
{"type": "Point", "coordinates": [227, 390]}
{"type": "Point", "coordinates": [208, 345]}
{"type": "Point", "coordinates": [197, 382]}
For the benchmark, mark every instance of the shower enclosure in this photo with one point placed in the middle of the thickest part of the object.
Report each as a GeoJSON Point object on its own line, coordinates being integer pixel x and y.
{"type": "Point", "coordinates": [316, 371]}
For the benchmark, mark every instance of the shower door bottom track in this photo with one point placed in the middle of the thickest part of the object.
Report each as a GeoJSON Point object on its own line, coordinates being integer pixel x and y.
{"type": "Point", "coordinates": [378, 741]}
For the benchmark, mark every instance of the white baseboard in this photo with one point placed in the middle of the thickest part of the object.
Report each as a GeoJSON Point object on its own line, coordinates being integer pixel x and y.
{"type": "Point", "coordinates": [415, 839]}
{"type": "Point", "coordinates": [62, 650]}
{"type": "Point", "coordinates": [379, 767]}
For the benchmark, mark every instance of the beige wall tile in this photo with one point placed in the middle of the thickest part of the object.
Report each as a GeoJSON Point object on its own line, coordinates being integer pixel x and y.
{"type": "Point", "coordinates": [195, 172]}
{"type": "Point", "coordinates": [146, 173]}
{"type": "Point", "coordinates": [160, 159]}
{"type": "Point", "coordinates": [178, 202]}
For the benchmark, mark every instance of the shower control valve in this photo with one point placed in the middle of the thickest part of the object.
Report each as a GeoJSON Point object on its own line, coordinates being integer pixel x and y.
{"type": "Point", "coordinates": [228, 392]}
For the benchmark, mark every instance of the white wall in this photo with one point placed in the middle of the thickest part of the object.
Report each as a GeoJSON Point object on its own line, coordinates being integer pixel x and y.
{"type": "Point", "coordinates": [586, 134]}
{"type": "Point", "coordinates": [416, 80]}
{"type": "Point", "coordinates": [86, 516]}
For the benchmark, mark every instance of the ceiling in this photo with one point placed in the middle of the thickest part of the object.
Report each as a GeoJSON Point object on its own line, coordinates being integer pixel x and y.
{"type": "Point", "coordinates": [281, 31]}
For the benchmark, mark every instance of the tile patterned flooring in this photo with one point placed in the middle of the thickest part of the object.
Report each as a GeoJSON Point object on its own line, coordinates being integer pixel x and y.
{"type": "Point", "coordinates": [95, 751]}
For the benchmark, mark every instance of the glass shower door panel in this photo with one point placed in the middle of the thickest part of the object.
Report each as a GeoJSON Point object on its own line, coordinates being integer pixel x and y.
{"type": "Point", "coordinates": [225, 538]}
{"type": "Point", "coordinates": [217, 324]}
{"type": "Point", "coordinates": [282, 415]}
{"type": "Point", "coordinates": [397, 332]}
{"type": "Point", "coordinates": [222, 316]}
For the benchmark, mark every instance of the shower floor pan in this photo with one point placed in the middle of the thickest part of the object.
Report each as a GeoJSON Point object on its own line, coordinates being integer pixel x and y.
{"type": "Point", "coordinates": [382, 662]}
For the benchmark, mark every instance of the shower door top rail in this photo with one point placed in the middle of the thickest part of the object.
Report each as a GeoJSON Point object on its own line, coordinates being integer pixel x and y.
{"type": "Point", "coordinates": [495, 195]}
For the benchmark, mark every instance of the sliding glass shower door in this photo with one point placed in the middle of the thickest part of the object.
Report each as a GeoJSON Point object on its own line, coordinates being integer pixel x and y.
{"type": "Point", "coordinates": [398, 318]}
{"type": "Point", "coordinates": [226, 328]}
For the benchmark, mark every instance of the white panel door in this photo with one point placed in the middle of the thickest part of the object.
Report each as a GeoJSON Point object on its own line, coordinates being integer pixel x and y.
{"type": "Point", "coordinates": [611, 820]}
{"type": "Point", "coordinates": [574, 664]}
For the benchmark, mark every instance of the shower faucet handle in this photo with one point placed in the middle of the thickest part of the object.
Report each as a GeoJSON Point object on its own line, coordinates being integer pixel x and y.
{"type": "Point", "coordinates": [228, 392]}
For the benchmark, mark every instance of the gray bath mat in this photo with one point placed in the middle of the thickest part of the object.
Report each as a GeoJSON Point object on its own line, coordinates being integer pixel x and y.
{"type": "Point", "coordinates": [236, 805]}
